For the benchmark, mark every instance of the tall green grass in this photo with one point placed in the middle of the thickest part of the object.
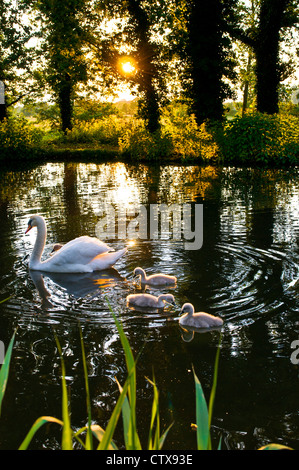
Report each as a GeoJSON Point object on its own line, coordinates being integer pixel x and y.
{"type": "Point", "coordinates": [4, 371]}
{"type": "Point", "coordinates": [204, 412]}
{"type": "Point", "coordinates": [94, 436]}
{"type": "Point", "coordinates": [125, 406]}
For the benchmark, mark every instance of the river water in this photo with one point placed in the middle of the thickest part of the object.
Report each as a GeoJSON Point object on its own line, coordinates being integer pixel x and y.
{"type": "Point", "coordinates": [245, 271]}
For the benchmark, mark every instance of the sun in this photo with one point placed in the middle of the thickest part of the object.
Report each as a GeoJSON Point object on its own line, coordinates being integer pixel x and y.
{"type": "Point", "coordinates": [127, 66]}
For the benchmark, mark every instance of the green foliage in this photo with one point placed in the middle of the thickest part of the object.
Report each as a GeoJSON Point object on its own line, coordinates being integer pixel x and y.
{"type": "Point", "coordinates": [18, 137]}
{"type": "Point", "coordinates": [260, 138]}
{"type": "Point", "coordinates": [4, 371]}
{"type": "Point", "coordinates": [190, 141]}
{"type": "Point", "coordinates": [275, 447]}
{"type": "Point", "coordinates": [66, 61]}
{"type": "Point", "coordinates": [17, 68]}
{"type": "Point", "coordinates": [87, 110]}
{"type": "Point", "coordinates": [139, 143]}
{"type": "Point", "coordinates": [204, 411]}
{"type": "Point", "coordinates": [104, 131]}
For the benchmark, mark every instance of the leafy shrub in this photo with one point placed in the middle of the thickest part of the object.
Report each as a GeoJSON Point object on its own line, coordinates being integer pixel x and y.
{"type": "Point", "coordinates": [260, 138]}
{"type": "Point", "coordinates": [18, 137]}
{"type": "Point", "coordinates": [97, 130]}
{"type": "Point", "coordinates": [139, 143]}
{"type": "Point", "coordinates": [190, 141]}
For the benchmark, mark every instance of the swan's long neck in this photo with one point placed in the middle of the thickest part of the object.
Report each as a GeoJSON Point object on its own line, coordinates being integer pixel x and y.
{"type": "Point", "coordinates": [39, 243]}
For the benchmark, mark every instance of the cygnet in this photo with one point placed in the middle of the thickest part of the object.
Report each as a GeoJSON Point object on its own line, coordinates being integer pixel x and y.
{"type": "Point", "coordinates": [198, 319]}
{"type": "Point", "coordinates": [155, 279]}
{"type": "Point", "coordinates": [148, 300]}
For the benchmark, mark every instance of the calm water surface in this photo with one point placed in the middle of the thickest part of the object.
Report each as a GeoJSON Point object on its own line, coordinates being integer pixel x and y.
{"type": "Point", "coordinates": [246, 272]}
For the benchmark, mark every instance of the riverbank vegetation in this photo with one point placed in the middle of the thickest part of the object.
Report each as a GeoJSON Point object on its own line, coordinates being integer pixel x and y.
{"type": "Point", "coordinates": [255, 138]}
{"type": "Point", "coordinates": [63, 66]}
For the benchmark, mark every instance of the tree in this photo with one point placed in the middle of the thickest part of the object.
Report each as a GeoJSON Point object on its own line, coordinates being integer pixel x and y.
{"type": "Point", "coordinates": [267, 54]}
{"type": "Point", "coordinates": [208, 57]}
{"type": "Point", "coordinates": [139, 37]}
{"type": "Point", "coordinates": [147, 72]}
{"type": "Point", "coordinates": [16, 57]}
{"type": "Point", "coordinates": [66, 62]}
{"type": "Point", "coordinates": [265, 39]}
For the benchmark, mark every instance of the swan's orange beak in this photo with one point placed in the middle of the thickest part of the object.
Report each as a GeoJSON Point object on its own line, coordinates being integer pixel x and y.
{"type": "Point", "coordinates": [29, 228]}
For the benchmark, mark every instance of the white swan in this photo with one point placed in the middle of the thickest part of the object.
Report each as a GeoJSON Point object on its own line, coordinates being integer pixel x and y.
{"type": "Point", "coordinates": [150, 301]}
{"type": "Point", "coordinates": [81, 255]}
{"type": "Point", "coordinates": [155, 279]}
{"type": "Point", "coordinates": [198, 319]}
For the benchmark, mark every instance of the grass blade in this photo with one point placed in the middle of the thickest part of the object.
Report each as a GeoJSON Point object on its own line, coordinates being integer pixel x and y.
{"type": "Point", "coordinates": [132, 437]}
{"type": "Point", "coordinates": [4, 371]}
{"type": "Point", "coordinates": [275, 447]}
{"type": "Point", "coordinates": [99, 434]}
{"type": "Point", "coordinates": [163, 437]}
{"type": "Point", "coordinates": [88, 443]}
{"type": "Point", "coordinates": [202, 417]}
{"type": "Point", "coordinates": [35, 427]}
{"type": "Point", "coordinates": [214, 386]}
{"type": "Point", "coordinates": [67, 433]}
{"type": "Point", "coordinates": [126, 415]}
{"type": "Point", "coordinates": [153, 443]}
{"type": "Point", "coordinates": [108, 434]}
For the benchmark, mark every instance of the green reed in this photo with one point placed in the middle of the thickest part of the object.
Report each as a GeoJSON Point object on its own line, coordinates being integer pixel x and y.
{"type": "Point", "coordinates": [125, 406]}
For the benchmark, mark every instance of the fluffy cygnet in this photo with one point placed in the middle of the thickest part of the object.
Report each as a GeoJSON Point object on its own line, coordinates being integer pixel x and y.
{"type": "Point", "coordinates": [148, 300]}
{"type": "Point", "coordinates": [155, 279]}
{"type": "Point", "coordinates": [198, 319]}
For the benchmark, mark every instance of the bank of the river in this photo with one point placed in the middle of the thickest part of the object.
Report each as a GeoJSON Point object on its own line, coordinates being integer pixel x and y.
{"type": "Point", "coordinates": [254, 140]}
{"type": "Point", "coordinates": [99, 154]}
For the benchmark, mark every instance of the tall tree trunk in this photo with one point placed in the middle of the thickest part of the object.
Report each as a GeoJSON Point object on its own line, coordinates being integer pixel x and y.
{"type": "Point", "coordinates": [149, 108]}
{"type": "Point", "coordinates": [3, 112]}
{"type": "Point", "coordinates": [206, 60]}
{"type": "Point", "coordinates": [267, 54]}
{"type": "Point", "coordinates": [65, 102]}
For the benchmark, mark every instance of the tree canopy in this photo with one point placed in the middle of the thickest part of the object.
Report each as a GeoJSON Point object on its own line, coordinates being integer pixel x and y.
{"type": "Point", "coordinates": [176, 49]}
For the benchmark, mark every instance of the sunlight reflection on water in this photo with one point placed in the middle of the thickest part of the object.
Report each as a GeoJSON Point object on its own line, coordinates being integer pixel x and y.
{"type": "Point", "coordinates": [245, 272]}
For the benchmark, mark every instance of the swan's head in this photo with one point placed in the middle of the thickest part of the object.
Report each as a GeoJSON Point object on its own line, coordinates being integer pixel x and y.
{"type": "Point", "coordinates": [168, 298]}
{"type": "Point", "coordinates": [138, 271]}
{"type": "Point", "coordinates": [31, 223]}
{"type": "Point", "coordinates": [187, 308]}
{"type": "Point", "coordinates": [34, 221]}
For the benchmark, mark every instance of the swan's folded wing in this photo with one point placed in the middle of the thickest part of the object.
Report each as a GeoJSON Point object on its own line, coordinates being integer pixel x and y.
{"type": "Point", "coordinates": [105, 260]}
{"type": "Point", "coordinates": [81, 250]}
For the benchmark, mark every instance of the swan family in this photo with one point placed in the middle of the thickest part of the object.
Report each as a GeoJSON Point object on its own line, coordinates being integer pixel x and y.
{"type": "Point", "coordinates": [88, 254]}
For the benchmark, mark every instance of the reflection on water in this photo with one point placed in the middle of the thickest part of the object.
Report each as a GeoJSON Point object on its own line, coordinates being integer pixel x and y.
{"type": "Point", "coordinates": [246, 272]}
